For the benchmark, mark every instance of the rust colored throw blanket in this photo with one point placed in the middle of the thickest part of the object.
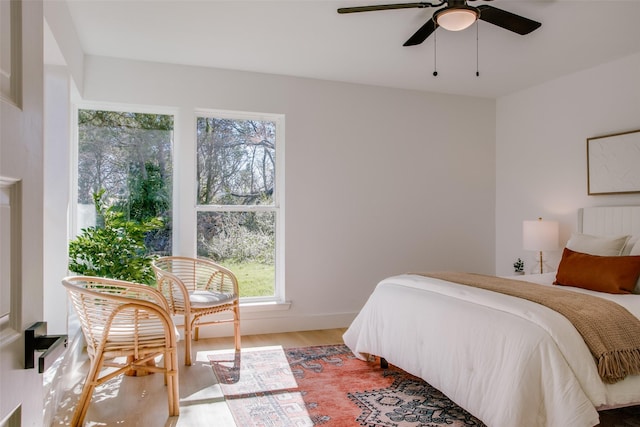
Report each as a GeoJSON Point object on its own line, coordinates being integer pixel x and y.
{"type": "Point", "coordinates": [610, 331]}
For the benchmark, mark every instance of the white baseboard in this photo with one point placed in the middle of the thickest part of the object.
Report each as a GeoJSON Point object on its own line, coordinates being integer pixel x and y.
{"type": "Point", "coordinates": [260, 325]}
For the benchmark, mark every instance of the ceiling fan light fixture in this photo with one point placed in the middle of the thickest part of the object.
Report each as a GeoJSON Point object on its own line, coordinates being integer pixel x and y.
{"type": "Point", "coordinates": [456, 18]}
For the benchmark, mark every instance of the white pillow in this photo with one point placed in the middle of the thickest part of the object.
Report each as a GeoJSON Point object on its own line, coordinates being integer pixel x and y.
{"type": "Point", "coordinates": [597, 245]}
{"type": "Point", "coordinates": [626, 250]}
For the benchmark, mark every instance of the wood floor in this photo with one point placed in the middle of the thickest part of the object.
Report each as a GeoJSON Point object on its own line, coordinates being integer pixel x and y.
{"type": "Point", "coordinates": [142, 401]}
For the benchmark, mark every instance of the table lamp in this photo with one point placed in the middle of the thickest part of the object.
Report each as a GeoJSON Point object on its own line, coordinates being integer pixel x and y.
{"type": "Point", "coordinates": [539, 235]}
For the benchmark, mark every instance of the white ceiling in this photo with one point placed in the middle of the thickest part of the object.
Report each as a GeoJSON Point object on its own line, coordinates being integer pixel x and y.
{"type": "Point", "coordinates": [308, 38]}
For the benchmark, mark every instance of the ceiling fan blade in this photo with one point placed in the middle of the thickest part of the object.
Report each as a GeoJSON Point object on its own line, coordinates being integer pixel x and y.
{"type": "Point", "coordinates": [384, 7]}
{"type": "Point", "coordinates": [507, 20]}
{"type": "Point", "coordinates": [422, 33]}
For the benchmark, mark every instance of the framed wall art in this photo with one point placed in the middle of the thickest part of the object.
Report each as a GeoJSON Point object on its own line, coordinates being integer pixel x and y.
{"type": "Point", "coordinates": [613, 163]}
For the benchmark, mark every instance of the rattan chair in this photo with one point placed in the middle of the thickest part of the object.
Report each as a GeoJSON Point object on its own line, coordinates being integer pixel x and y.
{"type": "Point", "coordinates": [126, 326]}
{"type": "Point", "coordinates": [196, 287]}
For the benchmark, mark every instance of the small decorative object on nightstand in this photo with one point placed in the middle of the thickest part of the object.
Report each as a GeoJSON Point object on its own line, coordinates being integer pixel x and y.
{"type": "Point", "coordinates": [518, 266]}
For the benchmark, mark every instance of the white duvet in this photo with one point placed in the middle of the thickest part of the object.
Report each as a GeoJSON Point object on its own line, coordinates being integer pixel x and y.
{"type": "Point", "coordinates": [508, 361]}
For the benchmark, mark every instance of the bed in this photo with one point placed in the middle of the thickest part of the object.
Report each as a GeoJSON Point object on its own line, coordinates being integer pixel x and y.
{"type": "Point", "coordinates": [508, 361]}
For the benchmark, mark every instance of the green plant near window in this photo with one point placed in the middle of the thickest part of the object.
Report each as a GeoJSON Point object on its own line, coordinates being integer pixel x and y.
{"type": "Point", "coordinates": [114, 248]}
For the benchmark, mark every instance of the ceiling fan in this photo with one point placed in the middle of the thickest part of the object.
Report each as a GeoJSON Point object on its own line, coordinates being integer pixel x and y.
{"type": "Point", "coordinates": [455, 16]}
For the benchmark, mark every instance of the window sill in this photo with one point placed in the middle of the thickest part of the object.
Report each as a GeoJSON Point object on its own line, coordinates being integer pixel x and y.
{"type": "Point", "coordinates": [253, 307]}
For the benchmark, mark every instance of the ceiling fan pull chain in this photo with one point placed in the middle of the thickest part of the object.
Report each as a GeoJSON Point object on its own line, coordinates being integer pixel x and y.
{"type": "Point", "coordinates": [435, 57]}
{"type": "Point", "coordinates": [477, 52]}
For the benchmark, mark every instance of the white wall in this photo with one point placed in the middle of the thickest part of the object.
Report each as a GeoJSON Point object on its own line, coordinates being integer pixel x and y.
{"type": "Point", "coordinates": [57, 134]}
{"type": "Point", "coordinates": [65, 48]}
{"type": "Point", "coordinates": [378, 181]}
{"type": "Point", "coordinates": [541, 151]}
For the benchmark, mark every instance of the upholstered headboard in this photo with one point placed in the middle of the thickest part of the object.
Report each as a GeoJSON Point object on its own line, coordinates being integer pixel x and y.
{"type": "Point", "coordinates": [609, 220]}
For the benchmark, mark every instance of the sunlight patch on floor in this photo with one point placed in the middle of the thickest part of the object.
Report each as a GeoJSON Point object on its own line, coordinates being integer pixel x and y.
{"type": "Point", "coordinates": [142, 401]}
{"type": "Point", "coordinates": [259, 388]}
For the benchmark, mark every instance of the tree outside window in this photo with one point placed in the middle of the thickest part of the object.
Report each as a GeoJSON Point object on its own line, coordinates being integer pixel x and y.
{"type": "Point", "coordinates": [126, 158]}
{"type": "Point", "coordinates": [123, 193]}
{"type": "Point", "coordinates": [237, 200]}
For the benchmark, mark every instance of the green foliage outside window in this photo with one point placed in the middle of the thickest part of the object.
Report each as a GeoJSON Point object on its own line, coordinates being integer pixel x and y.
{"type": "Point", "coordinates": [236, 173]}
{"type": "Point", "coordinates": [124, 170]}
{"type": "Point", "coordinates": [114, 248]}
{"type": "Point", "coordinates": [129, 156]}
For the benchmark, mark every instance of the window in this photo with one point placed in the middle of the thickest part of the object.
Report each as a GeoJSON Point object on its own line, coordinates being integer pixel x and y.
{"type": "Point", "coordinates": [125, 163]}
{"type": "Point", "coordinates": [238, 208]}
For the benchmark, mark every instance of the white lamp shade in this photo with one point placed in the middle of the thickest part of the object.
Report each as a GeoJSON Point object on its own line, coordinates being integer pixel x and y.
{"type": "Point", "coordinates": [456, 19]}
{"type": "Point", "coordinates": [540, 235]}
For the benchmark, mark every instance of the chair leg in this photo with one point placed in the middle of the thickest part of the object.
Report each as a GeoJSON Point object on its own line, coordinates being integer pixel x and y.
{"type": "Point", "coordinates": [236, 327]}
{"type": "Point", "coordinates": [87, 392]}
{"type": "Point", "coordinates": [187, 342]}
{"type": "Point", "coordinates": [173, 395]}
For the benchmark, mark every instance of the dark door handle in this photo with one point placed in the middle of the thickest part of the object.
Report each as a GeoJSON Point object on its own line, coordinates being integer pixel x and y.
{"type": "Point", "coordinates": [36, 339]}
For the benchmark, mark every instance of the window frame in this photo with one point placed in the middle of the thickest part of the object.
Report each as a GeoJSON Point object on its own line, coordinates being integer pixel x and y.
{"type": "Point", "coordinates": [278, 195]}
{"type": "Point", "coordinates": [184, 152]}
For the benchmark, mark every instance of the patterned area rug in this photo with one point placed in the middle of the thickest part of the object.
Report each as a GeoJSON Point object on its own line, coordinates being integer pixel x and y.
{"type": "Point", "coordinates": [328, 386]}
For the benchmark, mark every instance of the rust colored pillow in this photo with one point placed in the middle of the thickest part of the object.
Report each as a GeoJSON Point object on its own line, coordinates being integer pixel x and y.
{"type": "Point", "coordinates": [611, 274]}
